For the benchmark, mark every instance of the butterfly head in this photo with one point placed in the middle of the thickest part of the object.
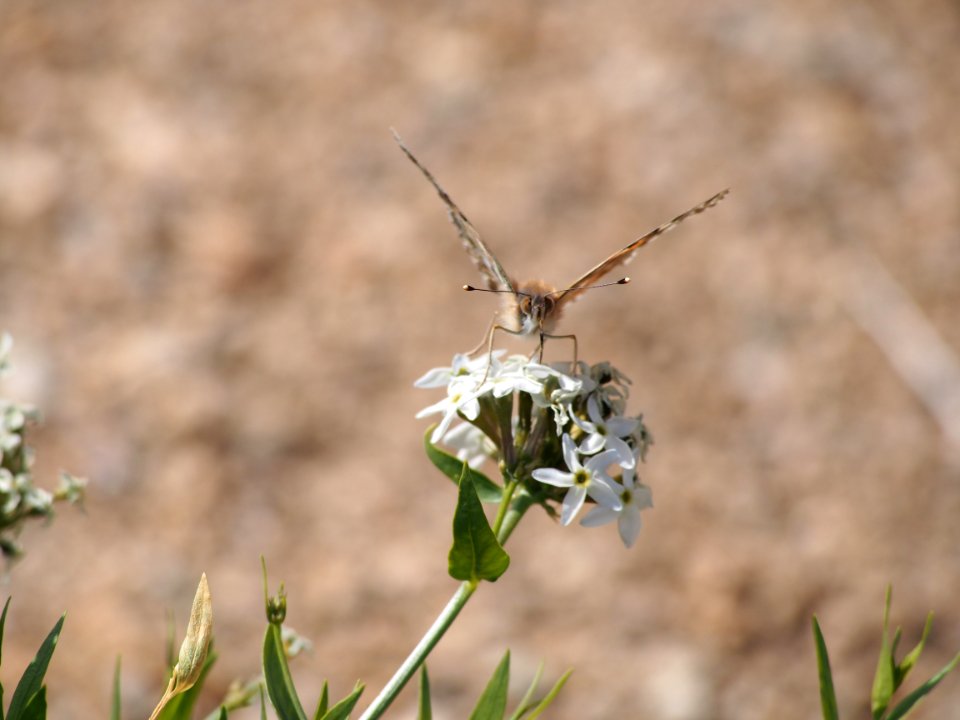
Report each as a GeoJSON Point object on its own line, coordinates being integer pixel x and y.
{"type": "Point", "coordinates": [535, 307]}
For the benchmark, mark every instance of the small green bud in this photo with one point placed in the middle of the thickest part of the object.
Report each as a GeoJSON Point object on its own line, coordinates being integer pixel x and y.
{"type": "Point", "coordinates": [277, 607]}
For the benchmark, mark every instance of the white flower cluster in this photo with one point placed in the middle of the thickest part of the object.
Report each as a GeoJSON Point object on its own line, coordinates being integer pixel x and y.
{"type": "Point", "coordinates": [19, 498]}
{"type": "Point", "coordinates": [586, 412]}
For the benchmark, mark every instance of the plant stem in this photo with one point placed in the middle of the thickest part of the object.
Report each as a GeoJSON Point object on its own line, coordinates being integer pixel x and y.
{"type": "Point", "coordinates": [506, 522]}
{"type": "Point", "coordinates": [420, 652]}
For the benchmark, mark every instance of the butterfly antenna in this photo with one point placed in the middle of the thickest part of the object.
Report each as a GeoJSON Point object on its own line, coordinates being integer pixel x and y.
{"type": "Point", "coordinates": [471, 288]}
{"type": "Point", "coordinates": [621, 281]}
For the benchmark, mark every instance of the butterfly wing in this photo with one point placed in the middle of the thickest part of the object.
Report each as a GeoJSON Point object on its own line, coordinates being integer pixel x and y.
{"type": "Point", "coordinates": [486, 261]}
{"type": "Point", "coordinates": [622, 257]}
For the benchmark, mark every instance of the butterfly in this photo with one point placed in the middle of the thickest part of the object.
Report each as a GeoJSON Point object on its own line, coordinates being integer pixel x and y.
{"type": "Point", "coordinates": [533, 307]}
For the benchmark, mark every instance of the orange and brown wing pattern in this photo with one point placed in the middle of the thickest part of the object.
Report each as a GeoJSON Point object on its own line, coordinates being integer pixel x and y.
{"type": "Point", "coordinates": [486, 262]}
{"type": "Point", "coordinates": [622, 257]}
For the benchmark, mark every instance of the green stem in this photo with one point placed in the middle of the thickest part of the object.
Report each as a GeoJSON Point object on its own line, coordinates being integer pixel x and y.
{"type": "Point", "coordinates": [507, 518]}
{"type": "Point", "coordinates": [508, 490]}
{"type": "Point", "coordinates": [521, 503]}
{"type": "Point", "coordinates": [420, 652]}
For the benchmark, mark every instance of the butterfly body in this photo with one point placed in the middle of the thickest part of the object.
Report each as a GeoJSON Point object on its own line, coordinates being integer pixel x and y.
{"type": "Point", "coordinates": [533, 307]}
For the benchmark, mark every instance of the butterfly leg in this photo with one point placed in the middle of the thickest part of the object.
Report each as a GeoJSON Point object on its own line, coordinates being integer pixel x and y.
{"type": "Point", "coordinates": [488, 333]}
{"type": "Point", "coordinates": [491, 331]}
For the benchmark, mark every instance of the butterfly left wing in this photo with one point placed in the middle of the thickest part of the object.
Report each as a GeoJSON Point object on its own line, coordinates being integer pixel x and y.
{"type": "Point", "coordinates": [486, 262]}
{"type": "Point", "coordinates": [622, 257]}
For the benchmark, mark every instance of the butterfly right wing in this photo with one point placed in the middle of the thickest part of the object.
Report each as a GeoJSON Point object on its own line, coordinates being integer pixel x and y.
{"type": "Point", "coordinates": [622, 257]}
{"type": "Point", "coordinates": [486, 261]}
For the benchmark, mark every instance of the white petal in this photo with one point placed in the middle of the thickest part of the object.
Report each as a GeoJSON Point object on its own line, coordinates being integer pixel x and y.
{"type": "Point", "coordinates": [601, 490]}
{"type": "Point", "coordinates": [442, 428]}
{"type": "Point", "coordinates": [470, 408]}
{"type": "Point", "coordinates": [585, 425]}
{"type": "Point", "coordinates": [437, 377]}
{"type": "Point", "coordinates": [441, 406]}
{"type": "Point", "coordinates": [572, 504]}
{"type": "Point", "coordinates": [599, 463]}
{"type": "Point", "coordinates": [629, 525]}
{"type": "Point", "coordinates": [624, 453]}
{"type": "Point", "coordinates": [593, 410]}
{"type": "Point", "coordinates": [552, 476]}
{"type": "Point", "coordinates": [621, 426]}
{"type": "Point", "coordinates": [599, 515]}
{"type": "Point", "coordinates": [570, 453]}
{"type": "Point", "coordinates": [592, 444]}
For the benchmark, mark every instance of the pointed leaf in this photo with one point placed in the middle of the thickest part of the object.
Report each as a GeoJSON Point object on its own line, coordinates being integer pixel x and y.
{"type": "Point", "coordinates": [115, 701]}
{"type": "Point", "coordinates": [906, 705]}
{"type": "Point", "coordinates": [3, 623]}
{"type": "Point", "coordinates": [493, 703]}
{"type": "Point", "coordinates": [32, 678]}
{"type": "Point", "coordinates": [36, 708]}
{"type": "Point", "coordinates": [276, 674]}
{"type": "Point", "coordinates": [223, 713]}
{"type": "Point", "coordinates": [322, 703]}
{"type": "Point", "coordinates": [342, 710]}
{"type": "Point", "coordinates": [452, 467]}
{"type": "Point", "coordinates": [550, 696]}
{"type": "Point", "coordinates": [903, 668]}
{"type": "Point", "coordinates": [476, 554]}
{"type": "Point", "coordinates": [527, 700]}
{"type": "Point", "coordinates": [424, 709]}
{"type": "Point", "coordinates": [884, 684]}
{"type": "Point", "coordinates": [828, 696]}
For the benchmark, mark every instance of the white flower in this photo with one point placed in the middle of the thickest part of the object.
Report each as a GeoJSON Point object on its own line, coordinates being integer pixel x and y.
{"type": "Point", "coordinates": [471, 444]}
{"type": "Point", "coordinates": [459, 399]}
{"type": "Point", "coordinates": [462, 367]}
{"type": "Point", "coordinates": [561, 395]}
{"type": "Point", "coordinates": [606, 433]}
{"type": "Point", "coordinates": [590, 479]}
{"type": "Point", "coordinates": [634, 497]}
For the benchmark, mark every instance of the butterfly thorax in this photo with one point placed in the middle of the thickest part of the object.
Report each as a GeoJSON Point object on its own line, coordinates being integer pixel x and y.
{"type": "Point", "coordinates": [533, 309]}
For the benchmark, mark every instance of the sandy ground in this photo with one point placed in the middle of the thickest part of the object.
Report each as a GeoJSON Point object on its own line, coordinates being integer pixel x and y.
{"type": "Point", "coordinates": [223, 279]}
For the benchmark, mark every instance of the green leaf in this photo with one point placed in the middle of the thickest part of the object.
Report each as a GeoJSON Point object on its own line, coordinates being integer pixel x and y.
{"type": "Point", "coordinates": [550, 696]}
{"type": "Point", "coordinates": [884, 683]}
{"type": "Point", "coordinates": [3, 623]}
{"type": "Point", "coordinates": [115, 700]}
{"type": "Point", "coordinates": [32, 679]}
{"type": "Point", "coordinates": [276, 674]}
{"type": "Point", "coordinates": [424, 711]}
{"type": "Point", "coordinates": [223, 713]}
{"type": "Point", "coordinates": [527, 700]}
{"type": "Point", "coordinates": [906, 705]}
{"type": "Point", "coordinates": [180, 707]}
{"type": "Point", "coordinates": [341, 711]}
{"type": "Point", "coordinates": [36, 708]}
{"type": "Point", "coordinates": [452, 467]}
{"type": "Point", "coordinates": [493, 703]}
{"type": "Point", "coordinates": [322, 703]}
{"type": "Point", "coordinates": [828, 696]}
{"type": "Point", "coordinates": [476, 554]}
{"type": "Point", "coordinates": [903, 668]}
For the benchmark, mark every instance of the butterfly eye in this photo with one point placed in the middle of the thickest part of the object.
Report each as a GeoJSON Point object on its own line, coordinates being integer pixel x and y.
{"type": "Point", "coordinates": [548, 305]}
{"type": "Point", "coordinates": [525, 304]}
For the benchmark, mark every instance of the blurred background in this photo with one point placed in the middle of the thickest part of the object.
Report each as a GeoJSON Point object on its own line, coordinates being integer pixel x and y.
{"type": "Point", "coordinates": [223, 278]}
